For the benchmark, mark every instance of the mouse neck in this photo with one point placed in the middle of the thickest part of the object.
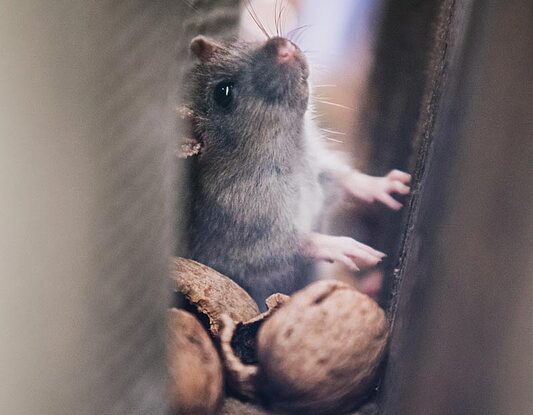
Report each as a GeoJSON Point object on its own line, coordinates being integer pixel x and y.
{"type": "Point", "coordinates": [261, 150]}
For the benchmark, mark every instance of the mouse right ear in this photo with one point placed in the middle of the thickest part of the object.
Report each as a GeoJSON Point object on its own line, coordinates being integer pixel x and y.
{"type": "Point", "coordinates": [203, 48]}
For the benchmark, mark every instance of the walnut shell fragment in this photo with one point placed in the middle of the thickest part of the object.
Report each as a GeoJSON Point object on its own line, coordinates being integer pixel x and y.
{"type": "Point", "coordinates": [190, 145]}
{"type": "Point", "coordinates": [195, 373]}
{"type": "Point", "coordinates": [318, 354]}
{"type": "Point", "coordinates": [238, 344]}
{"type": "Point", "coordinates": [189, 148]}
{"type": "Point", "coordinates": [212, 294]}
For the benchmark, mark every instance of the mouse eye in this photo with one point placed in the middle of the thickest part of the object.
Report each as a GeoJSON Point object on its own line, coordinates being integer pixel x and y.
{"type": "Point", "coordinates": [224, 94]}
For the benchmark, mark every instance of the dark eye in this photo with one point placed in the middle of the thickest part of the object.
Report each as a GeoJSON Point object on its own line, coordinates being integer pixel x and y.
{"type": "Point", "coordinates": [224, 94]}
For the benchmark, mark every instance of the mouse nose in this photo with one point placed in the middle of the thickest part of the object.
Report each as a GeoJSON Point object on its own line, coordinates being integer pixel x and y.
{"type": "Point", "coordinates": [285, 49]}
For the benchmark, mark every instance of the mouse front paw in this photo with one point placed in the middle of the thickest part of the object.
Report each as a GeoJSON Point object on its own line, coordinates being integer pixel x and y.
{"type": "Point", "coordinates": [341, 249]}
{"type": "Point", "coordinates": [371, 189]}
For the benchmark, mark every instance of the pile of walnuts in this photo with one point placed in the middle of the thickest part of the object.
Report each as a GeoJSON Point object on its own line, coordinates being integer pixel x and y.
{"type": "Point", "coordinates": [316, 352]}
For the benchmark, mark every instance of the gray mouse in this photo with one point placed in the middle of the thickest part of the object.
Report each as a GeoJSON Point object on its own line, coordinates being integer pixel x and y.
{"type": "Point", "coordinates": [262, 175]}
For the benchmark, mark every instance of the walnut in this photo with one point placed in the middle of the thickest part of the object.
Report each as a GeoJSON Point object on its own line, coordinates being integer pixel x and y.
{"type": "Point", "coordinates": [317, 352]}
{"type": "Point", "coordinates": [211, 294]}
{"type": "Point", "coordinates": [195, 372]}
{"type": "Point", "coordinates": [238, 344]}
{"type": "Point", "coordinates": [320, 351]}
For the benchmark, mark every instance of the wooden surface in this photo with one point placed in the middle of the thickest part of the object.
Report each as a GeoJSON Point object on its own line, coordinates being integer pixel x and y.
{"type": "Point", "coordinates": [461, 292]}
{"type": "Point", "coordinates": [393, 113]}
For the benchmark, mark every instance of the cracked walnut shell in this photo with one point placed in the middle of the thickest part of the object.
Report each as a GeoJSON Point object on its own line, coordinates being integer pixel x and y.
{"type": "Point", "coordinates": [209, 294]}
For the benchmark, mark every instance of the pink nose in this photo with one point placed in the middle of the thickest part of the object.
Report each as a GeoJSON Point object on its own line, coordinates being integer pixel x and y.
{"type": "Point", "coordinates": [286, 51]}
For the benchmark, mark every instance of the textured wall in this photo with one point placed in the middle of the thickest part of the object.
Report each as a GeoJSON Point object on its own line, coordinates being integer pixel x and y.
{"type": "Point", "coordinates": [393, 111]}
{"type": "Point", "coordinates": [460, 342]}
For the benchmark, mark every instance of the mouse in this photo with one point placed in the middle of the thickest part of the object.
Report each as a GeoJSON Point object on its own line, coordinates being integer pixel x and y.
{"type": "Point", "coordinates": [262, 175]}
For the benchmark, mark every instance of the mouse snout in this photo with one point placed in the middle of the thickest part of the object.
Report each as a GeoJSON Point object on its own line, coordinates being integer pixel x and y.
{"type": "Point", "coordinates": [280, 72]}
{"type": "Point", "coordinates": [284, 49]}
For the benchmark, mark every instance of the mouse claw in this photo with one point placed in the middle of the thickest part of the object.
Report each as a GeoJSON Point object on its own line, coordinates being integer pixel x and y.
{"type": "Point", "coordinates": [341, 249]}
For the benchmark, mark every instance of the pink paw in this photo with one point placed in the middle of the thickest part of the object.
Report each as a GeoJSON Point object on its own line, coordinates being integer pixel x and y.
{"type": "Point", "coordinates": [370, 189]}
{"type": "Point", "coordinates": [341, 249]}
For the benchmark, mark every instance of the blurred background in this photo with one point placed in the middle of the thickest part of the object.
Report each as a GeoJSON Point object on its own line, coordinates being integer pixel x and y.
{"type": "Point", "coordinates": [338, 42]}
{"type": "Point", "coordinates": [439, 88]}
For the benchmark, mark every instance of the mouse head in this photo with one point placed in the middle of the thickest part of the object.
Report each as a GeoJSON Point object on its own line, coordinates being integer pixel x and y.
{"type": "Point", "coordinates": [244, 94]}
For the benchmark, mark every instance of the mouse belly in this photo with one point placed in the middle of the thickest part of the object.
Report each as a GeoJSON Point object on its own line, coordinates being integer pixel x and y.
{"type": "Point", "coordinates": [261, 259]}
{"type": "Point", "coordinates": [260, 251]}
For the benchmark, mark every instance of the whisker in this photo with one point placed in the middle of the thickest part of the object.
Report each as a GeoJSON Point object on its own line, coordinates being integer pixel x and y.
{"type": "Point", "coordinates": [259, 26]}
{"type": "Point", "coordinates": [335, 104]}
{"type": "Point", "coordinates": [325, 86]}
{"type": "Point", "coordinates": [255, 16]}
{"type": "Point", "coordinates": [275, 19]}
{"type": "Point", "coordinates": [299, 31]}
{"type": "Point", "coordinates": [334, 140]}
{"type": "Point", "coordinates": [299, 35]}
{"type": "Point", "coordinates": [327, 130]}
{"type": "Point", "coordinates": [278, 10]}
{"type": "Point", "coordinates": [280, 17]}
{"type": "Point", "coordinates": [305, 26]}
{"type": "Point", "coordinates": [265, 26]}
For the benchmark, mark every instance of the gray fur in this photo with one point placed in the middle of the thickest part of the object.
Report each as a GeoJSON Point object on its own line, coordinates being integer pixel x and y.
{"type": "Point", "coordinates": [256, 184]}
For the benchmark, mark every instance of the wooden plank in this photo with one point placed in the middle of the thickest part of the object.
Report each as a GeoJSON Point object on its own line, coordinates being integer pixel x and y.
{"type": "Point", "coordinates": [461, 327]}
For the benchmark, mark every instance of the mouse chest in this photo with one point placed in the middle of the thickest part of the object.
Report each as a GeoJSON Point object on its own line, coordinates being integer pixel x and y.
{"type": "Point", "coordinates": [283, 197]}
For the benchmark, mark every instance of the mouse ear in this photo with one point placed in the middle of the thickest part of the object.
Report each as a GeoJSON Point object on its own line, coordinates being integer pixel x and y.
{"type": "Point", "coordinates": [203, 48]}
